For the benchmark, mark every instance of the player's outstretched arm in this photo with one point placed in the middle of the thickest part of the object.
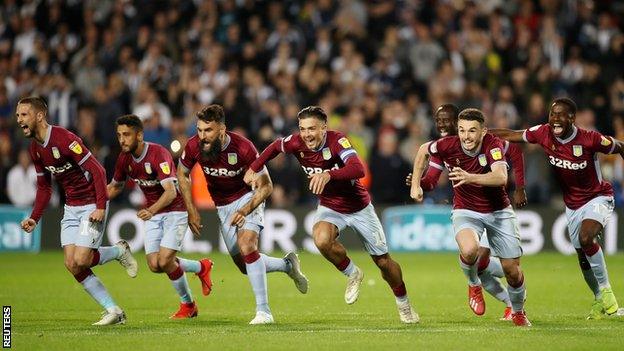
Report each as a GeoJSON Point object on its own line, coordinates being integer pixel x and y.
{"type": "Point", "coordinates": [163, 201]}
{"type": "Point", "coordinates": [515, 136]}
{"type": "Point", "coordinates": [494, 178]}
{"type": "Point", "coordinates": [352, 169]}
{"type": "Point", "coordinates": [113, 189]}
{"type": "Point", "coordinates": [514, 152]}
{"type": "Point", "coordinates": [618, 147]}
{"type": "Point", "coordinates": [263, 189]}
{"type": "Point", "coordinates": [420, 162]}
{"type": "Point", "coordinates": [184, 182]}
{"type": "Point", "coordinates": [271, 151]}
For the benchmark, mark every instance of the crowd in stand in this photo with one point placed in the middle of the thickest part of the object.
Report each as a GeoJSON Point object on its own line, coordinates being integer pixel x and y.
{"type": "Point", "coordinates": [378, 68]}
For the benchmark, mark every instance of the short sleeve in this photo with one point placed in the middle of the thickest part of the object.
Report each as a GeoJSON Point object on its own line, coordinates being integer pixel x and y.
{"type": "Point", "coordinates": [534, 134]}
{"type": "Point", "coordinates": [120, 174]}
{"type": "Point", "coordinates": [601, 143]}
{"type": "Point", "coordinates": [188, 157]}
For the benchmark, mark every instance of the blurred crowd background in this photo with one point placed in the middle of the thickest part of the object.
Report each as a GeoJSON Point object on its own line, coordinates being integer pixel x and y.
{"type": "Point", "coordinates": [378, 68]}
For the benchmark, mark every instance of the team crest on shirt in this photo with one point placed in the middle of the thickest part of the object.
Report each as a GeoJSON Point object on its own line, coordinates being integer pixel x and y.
{"type": "Point", "coordinates": [129, 168]}
{"type": "Point", "coordinates": [482, 160]}
{"type": "Point", "coordinates": [301, 154]}
{"type": "Point", "coordinates": [604, 141]}
{"type": "Point", "coordinates": [577, 150]}
{"type": "Point", "coordinates": [56, 153]}
{"type": "Point", "coordinates": [326, 154]}
{"type": "Point", "coordinates": [148, 168]}
{"type": "Point", "coordinates": [344, 142]}
{"type": "Point", "coordinates": [165, 168]}
{"type": "Point", "coordinates": [75, 147]}
{"type": "Point", "coordinates": [497, 154]}
{"type": "Point", "coordinates": [232, 158]}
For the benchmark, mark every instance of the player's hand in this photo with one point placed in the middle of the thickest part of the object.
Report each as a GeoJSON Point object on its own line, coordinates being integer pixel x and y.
{"type": "Point", "coordinates": [318, 182]}
{"type": "Point", "coordinates": [97, 215]}
{"type": "Point", "coordinates": [416, 193]}
{"type": "Point", "coordinates": [250, 177]}
{"type": "Point", "coordinates": [458, 176]}
{"type": "Point", "coordinates": [519, 197]}
{"type": "Point", "coordinates": [408, 179]}
{"type": "Point", "coordinates": [194, 222]}
{"type": "Point", "coordinates": [28, 225]}
{"type": "Point", "coordinates": [238, 219]}
{"type": "Point", "coordinates": [145, 214]}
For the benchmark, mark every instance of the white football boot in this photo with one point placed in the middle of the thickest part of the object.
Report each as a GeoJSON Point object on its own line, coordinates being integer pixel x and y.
{"type": "Point", "coordinates": [262, 318]}
{"type": "Point", "coordinates": [353, 286]}
{"type": "Point", "coordinates": [126, 260]}
{"type": "Point", "coordinates": [407, 313]}
{"type": "Point", "coordinates": [117, 316]}
{"type": "Point", "coordinates": [301, 282]}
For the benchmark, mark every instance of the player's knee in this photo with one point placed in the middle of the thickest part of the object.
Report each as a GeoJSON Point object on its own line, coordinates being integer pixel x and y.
{"type": "Point", "coordinates": [323, 242]}
{"type": "Point", "coordinates": [483, 253]}
{"type": "Point", "coordinates": [513, 274]}
{"type": "Point", "coordinates": [586, 239]}
{"type": "Point", "coordinates": [468, 249]}
{"type": "Point", "coordinates": [71, 265]}
{"type": "Point", "coordinates": [82, 262]}
{"type": "Point", "coordinates": [246, 248]}
{"type": "Point", "coordinates": [165, 261]}
{"type": "Point", "coordinates": [469, 254]}
{"type": "Point", "coordinates": [383, 262]}
{"type": "Point", "coordinates": [153, 266]}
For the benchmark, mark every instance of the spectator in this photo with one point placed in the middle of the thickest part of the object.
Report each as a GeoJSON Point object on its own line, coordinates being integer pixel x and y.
{"type": "Point", "coordinates": [22, 181]}
{"type": "Point", "coordinates": [388, 170]}
{"type": "Point", "coordinates": [376, 66]}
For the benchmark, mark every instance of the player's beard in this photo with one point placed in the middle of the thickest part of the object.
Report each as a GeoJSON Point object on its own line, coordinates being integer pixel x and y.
{"type": "Point", "coordinates": [213, 152]}
{"type": "Point", "coordinates": [31, 130]}
{"type": "Point", "coordinates": [132, 148]}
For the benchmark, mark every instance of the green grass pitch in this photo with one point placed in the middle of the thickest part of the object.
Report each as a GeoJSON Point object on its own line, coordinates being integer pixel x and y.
{"type": "Point", "coordinates": [50, 311]}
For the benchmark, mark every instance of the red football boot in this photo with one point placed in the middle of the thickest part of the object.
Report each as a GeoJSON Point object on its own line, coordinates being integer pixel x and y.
{"type": "Point", "coordinates": [187, 310]}
{"type": "Point", "coordinates": [507, 314]}
{"type": "Point", "coordinates": [475, 300]}
{"type": "Point", "coordinates": [520, 319]}
{"type": "Point", "coordinates": [204, 276]}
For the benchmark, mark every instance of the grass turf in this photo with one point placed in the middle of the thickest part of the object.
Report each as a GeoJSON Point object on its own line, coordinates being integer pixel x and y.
{"type": "Point", "coordinates": [50, 311]}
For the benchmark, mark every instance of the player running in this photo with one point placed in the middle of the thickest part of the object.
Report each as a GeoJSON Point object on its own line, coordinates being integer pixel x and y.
{"type": "Point", "coordinates": [572, 152]}
{"type": "Point", "coordinates": [489, 268]}
{"type": "Point", "coordinates": [333, 168]}
{"type": "Point", "coordinates": [224, 157]}
{"type": "Point", "coordinates": [151, 167]}
{"type": "Point", "coordinates": [56, 151]}
{"type": "Point", "coordinates": [478, 170]}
